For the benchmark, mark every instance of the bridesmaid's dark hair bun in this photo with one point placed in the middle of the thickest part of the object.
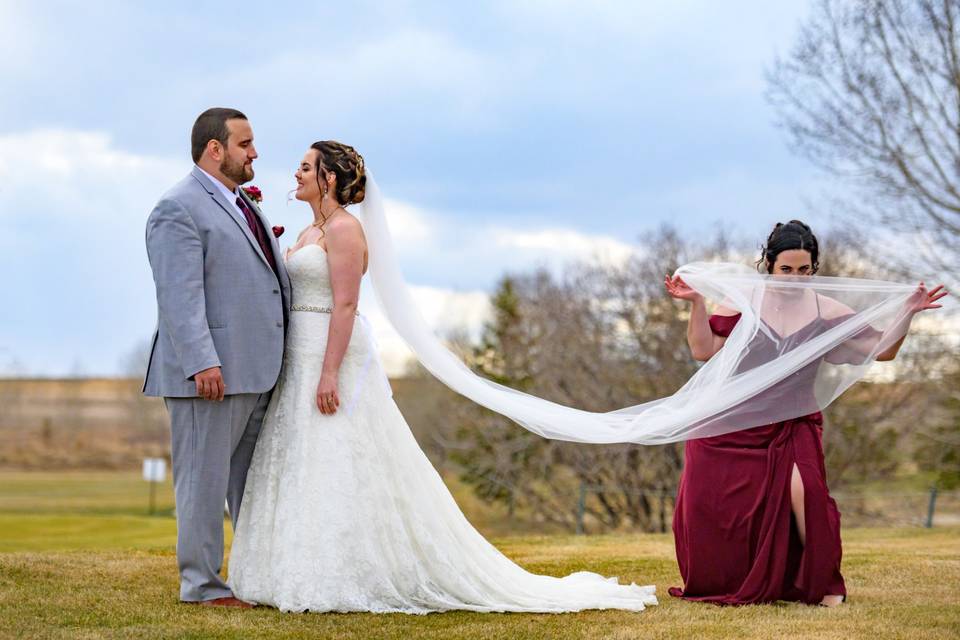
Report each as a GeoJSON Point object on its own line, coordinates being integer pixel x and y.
{"type": "Point", "coordinates": [344, 161]}
{"type": "Point", "coordinates": [794, 235]}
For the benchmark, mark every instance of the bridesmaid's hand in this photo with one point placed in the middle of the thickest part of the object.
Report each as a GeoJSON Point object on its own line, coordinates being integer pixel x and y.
{"type": "Point", "coordinates": [679, 289]}
{"type": "Point", "coordinates": [922, 299]}
{"type": "Point", "coordinates": [328, 400]}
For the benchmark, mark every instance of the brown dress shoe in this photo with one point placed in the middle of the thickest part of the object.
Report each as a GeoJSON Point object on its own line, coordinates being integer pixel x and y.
{"type": "Point", "coordinates": [229, 601]}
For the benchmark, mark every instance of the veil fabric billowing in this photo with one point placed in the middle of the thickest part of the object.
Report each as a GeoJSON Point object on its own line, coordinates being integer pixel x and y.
{"type": "Point", "coordinates": [798, 344]}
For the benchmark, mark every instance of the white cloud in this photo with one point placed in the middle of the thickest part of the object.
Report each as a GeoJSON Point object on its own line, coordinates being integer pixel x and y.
{"type": "Point", "coordinates": [565, 244]}
{"type": "Point", "coordinates": [641, 21]}
{"type": "Point", "coordinates": [449, 81]}
{"type": "Point", "coordinates": [83, 202]}
{"type": "Point", "coordinates": [734, 197]}
{"type": "Point", "coordinates": [409, 225]}
{"type": "Point", "coordinates": [419, 59]}
{"type": "Point", "coordinates": [72, 210]}
{"type": "Point", "coordinates": [18, 37]}
{"type": "Point", "coordinates": [79, 172]}
{"type": "Point", "coordinates": [445, 311]}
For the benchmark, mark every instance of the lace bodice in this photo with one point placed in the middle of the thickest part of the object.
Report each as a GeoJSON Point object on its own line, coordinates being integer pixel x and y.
{"type": "Point", "coordinates": [310, 277]}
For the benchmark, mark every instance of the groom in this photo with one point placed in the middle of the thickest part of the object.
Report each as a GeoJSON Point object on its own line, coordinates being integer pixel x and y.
{"type": "Point", "coordinates": [222, 296]}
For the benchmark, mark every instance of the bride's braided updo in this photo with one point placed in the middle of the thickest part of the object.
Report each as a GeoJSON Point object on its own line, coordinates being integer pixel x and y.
{"type": "Point", "coordinates": [347, 165]}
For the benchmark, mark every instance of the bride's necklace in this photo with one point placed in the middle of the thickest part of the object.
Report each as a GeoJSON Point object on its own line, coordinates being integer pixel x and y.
{"type": "Point", "coordinates": [319, 223]}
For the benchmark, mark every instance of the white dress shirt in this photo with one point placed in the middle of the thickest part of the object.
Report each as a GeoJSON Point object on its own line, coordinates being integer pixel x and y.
{"type": "Point", "coordinates": [231, 196]}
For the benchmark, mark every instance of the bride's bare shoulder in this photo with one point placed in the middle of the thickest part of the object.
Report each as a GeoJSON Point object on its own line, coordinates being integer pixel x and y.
{"type": "Point", "coordinates": [345, 229]}
{"type": "Point", "coordinates": [345, 223]}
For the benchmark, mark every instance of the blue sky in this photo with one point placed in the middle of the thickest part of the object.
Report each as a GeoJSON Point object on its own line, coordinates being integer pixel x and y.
{"type": "Point", "coordinates": [506, 135]}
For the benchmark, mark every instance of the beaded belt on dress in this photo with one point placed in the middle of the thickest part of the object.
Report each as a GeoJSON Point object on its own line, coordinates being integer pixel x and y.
{"type": "Point", "coordinates": [307, 307]}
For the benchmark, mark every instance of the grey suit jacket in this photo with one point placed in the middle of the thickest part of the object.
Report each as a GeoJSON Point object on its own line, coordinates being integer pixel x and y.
{"type": "Point", "coordinates": [219, 303]}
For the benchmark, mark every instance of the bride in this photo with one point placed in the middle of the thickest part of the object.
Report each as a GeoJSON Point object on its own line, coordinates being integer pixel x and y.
{"type": "Point", "coordinates": [342, 510]}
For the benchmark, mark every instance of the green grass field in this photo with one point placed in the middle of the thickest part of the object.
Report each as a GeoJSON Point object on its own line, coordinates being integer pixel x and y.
{"type": "Point", "coordinates": [79, 558]}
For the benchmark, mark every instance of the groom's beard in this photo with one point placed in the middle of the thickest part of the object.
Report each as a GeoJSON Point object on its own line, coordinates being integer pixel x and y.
{"type": "Point", "coordinates": [237, 171]}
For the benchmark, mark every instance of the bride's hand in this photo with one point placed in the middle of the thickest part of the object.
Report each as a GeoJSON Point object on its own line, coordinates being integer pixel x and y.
{"type": "Point", "coordinates": [922, 299]}
{"type": "Point", "coordinates": [679, 289]}
{"type": "Point", "coordinates": [328, 400]}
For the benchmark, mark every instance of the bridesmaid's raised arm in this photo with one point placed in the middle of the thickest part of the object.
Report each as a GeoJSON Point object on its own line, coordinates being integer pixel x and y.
{"type": "Point", "coordinates": [922, 300]}
{"type": "Point", "coordinates": [703, 342]}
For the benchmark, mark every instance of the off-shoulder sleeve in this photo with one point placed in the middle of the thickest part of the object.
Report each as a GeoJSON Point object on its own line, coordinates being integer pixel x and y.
{"type": "Point", "coordinates": [854, 349]}
{"type": "Point", "coordinates": [723, 325]}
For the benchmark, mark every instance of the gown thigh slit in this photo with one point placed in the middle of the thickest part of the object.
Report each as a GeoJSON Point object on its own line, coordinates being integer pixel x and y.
{"type": "Point", "coordinates": [798, 502]}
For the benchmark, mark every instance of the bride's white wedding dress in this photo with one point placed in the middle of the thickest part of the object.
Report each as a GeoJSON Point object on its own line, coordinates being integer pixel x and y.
{"type": "Point", "coordinates": [346, 513]}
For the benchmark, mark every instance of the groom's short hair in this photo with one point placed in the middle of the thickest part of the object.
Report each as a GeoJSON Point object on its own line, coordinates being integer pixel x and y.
{"type": "Point", "coordinates": [211, 125]}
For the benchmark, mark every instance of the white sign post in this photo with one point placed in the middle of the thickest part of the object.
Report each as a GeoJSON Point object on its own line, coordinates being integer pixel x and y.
{"type": "Point", "coordinates": [154, 471]}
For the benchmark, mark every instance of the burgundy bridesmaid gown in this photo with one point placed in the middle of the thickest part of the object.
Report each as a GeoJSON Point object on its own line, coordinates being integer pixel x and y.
{"type": "Point", "coordinates": [735, 533]}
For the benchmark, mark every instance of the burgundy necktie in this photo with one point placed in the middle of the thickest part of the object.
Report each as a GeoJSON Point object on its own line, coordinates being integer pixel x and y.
{"type": "Point", "coordinates": [258, 232]}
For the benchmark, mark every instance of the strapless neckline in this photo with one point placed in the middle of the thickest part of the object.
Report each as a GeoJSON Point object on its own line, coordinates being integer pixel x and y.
{"type": "Point", "coordinates": [289, 256]}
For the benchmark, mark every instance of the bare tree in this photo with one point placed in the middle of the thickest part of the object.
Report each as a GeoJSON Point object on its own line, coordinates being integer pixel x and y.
{"type": "Point", "coordinates": [870, 429]}
{"type": "Point", "coordinates": [602, 338]}
{"type": "Point", "coordinates": [938, 440]}
{"type": "Point", "coordinates": [599, 339]}
{"type": "Point", "coordinates": [871, 93]}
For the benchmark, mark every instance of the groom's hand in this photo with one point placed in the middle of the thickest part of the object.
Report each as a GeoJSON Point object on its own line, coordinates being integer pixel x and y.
{"type": "Point", "coordinates": [210, 384]}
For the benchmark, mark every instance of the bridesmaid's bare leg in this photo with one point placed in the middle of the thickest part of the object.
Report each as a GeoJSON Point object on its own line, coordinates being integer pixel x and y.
{"type": "Point", "coordinates": [796, 500]}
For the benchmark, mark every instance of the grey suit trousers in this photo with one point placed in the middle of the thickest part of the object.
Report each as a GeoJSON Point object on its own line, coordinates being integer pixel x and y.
{"type": "Point", "coordinates": [212, 445]}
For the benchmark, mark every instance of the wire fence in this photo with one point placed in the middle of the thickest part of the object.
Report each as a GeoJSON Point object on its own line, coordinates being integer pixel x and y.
{"type": "Point", "coordinates": [908, 508]}
{"type": "Point", "coordinates": [582, 505]}
{"type": "Point", "coordinates": [858, 509]}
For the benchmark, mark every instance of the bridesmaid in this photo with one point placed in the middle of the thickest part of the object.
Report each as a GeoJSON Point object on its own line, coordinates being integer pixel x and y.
{"type": "Point", "coordinates": [754, 521]}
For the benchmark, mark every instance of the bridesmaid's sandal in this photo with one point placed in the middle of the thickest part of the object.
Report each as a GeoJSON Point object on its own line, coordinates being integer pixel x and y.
{"type": "Point", "coordinates": [832, 601]}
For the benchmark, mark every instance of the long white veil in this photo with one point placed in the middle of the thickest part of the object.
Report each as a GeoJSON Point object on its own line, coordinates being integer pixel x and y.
{"type": "Point", "coordinates": [797, 346]}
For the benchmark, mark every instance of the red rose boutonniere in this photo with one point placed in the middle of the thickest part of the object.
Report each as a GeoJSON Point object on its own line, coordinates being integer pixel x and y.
{"type": "Point", "coordinates": [277, 231]}
{"type": "Point", "coordinates": [253, 193]}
